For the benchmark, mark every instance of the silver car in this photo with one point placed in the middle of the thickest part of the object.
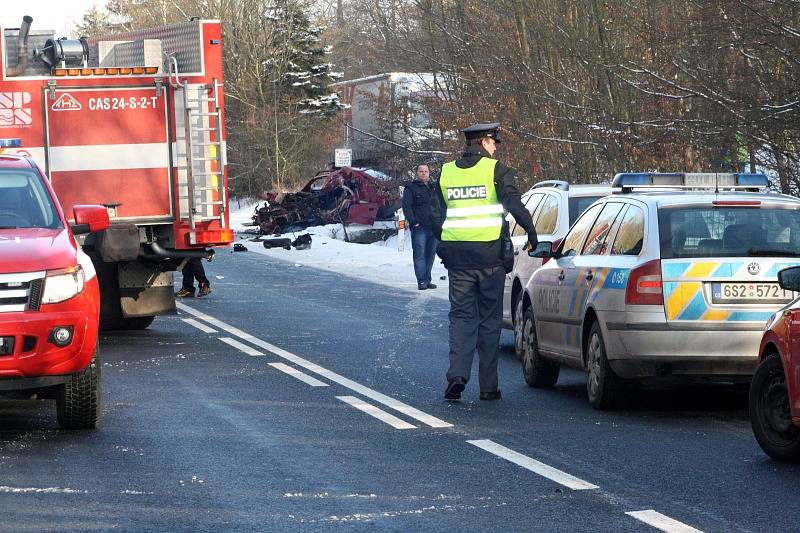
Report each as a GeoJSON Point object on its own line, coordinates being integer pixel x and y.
{"type": "Point", "coordinates": [672, 283]}
{"type": "Point", "coordinates": [554, 206]}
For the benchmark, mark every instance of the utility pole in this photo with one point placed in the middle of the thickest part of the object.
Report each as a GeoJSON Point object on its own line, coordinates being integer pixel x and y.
{"type": "Point", "coordinates": [339, 12]}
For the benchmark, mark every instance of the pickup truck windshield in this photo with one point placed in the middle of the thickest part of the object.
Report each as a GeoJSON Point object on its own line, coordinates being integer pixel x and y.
{"type": "Point", "coordinates": [25, 202]}
{"type": "Point", "coordinates": [710, 231]}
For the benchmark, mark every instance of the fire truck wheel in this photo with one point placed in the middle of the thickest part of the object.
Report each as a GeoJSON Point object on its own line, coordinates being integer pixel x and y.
{"type": "Point", "coordinates": [137, 322]}
{"type": "Point", "coordinates": [78, 400]}
{"type": "Point", "coordinates": [110, 310]}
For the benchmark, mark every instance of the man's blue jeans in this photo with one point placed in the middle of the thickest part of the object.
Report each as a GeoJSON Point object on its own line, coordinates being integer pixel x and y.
{"type": "Point", "coordinates": [423, 244]}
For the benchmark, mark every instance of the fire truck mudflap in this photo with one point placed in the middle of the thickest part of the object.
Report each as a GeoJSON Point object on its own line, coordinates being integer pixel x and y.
{"type": "Point", "coordinates": [133, 122]}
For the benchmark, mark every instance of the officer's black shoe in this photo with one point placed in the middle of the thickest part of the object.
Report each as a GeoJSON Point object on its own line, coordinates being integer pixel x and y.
{"type": "Point", "coordinates": [454, 389]}
{"type": "Point", "coordinates": [494, 395]}
{"type": "Point", "coordinates": [431, 285]}
{"type": "Point", "coordinates": [422, 286]}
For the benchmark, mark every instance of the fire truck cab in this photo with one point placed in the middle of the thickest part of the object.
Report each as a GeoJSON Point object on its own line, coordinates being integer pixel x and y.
{"type": "Point", "coordinates": [132, 122]}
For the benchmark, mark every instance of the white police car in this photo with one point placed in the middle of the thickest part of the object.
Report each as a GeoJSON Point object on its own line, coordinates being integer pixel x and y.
{"type": "Point", "coordinates": [554, 206]}
{"type": "Point", "coordinates": [678, 281]}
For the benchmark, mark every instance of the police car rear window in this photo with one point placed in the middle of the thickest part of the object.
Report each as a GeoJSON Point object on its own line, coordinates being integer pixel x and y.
{"type": "Point", "coordinates": [709, 231]}
{"type": "Point", "coordinates": [25, 202]}
{"type": "Point", "coordinates": [578, 204]}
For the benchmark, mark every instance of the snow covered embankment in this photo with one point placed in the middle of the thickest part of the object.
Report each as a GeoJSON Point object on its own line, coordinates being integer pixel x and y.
{"type": "Point", "coordinates": [380, 262]}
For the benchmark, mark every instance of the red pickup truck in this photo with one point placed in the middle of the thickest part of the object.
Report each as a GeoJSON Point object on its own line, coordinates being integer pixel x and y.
{"type": "Point", "coordinates": [49, 296]}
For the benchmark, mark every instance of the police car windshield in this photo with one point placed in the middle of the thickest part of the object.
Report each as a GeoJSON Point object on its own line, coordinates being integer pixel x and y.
{"type": "Point", "coordinates": [708, 231]}
{"type": "Point", "coordinates": [578, 204]}
{"type": "Point", "coordinates": [25, 201]}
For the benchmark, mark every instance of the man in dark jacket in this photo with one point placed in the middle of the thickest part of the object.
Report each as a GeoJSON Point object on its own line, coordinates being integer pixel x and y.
{"type": "Point", "coordinates": [467, 213]}
{"type": "Point", "coordinates": [417, 210]}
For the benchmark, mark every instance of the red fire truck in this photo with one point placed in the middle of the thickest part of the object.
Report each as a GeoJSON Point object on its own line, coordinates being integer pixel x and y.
{"type": "Point", "coordinates": [133, 122]}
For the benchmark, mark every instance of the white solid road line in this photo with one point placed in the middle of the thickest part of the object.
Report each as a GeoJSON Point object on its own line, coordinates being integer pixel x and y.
{"type": "Point", "coordinates": [239, 346]}
{"type": "Point", "coordinates": [199, 325]}
{"type": "Point", "coordinates": [533, 465]}
{"type": "Point", "coordinates": [305, 378]}
{"type": "Point", "coordinates": [388, 401]}
{"type": "Point", "coordinates": [662, 522]}
{"type": "Point", "coordinates": [380, 414]}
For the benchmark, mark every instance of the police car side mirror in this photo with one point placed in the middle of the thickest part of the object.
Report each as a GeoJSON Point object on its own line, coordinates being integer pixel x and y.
{"type": "Point", "coordinates": [544, 249]}
{"type": "Point", "coordinates": [789, 279]}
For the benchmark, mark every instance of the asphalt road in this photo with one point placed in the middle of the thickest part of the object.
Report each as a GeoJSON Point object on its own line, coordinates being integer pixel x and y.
{"type": "Point", "coordinates": [204, 430]}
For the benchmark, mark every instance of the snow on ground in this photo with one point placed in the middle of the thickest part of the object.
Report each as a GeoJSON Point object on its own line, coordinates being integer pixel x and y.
{"type": "Point", "coordinates": [380, 262]}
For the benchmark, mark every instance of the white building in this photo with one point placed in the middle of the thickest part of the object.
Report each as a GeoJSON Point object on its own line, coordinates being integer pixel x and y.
{"type": "Point", "coordinates": [387, 113]}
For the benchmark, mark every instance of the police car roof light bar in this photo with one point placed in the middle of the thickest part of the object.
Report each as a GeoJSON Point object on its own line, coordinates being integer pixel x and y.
{"type": "Point", "coordinates": [558, 184]}
{"type": "Point", "coordinates": [628, 181]}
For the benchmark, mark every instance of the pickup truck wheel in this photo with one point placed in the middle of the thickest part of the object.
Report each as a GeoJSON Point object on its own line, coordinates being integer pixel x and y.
{"type": "Point", "coordinates": [137, 322]}
{"type": "Point", "coordinates": [770, 415]}
{"type": "Point", "coordinates": [519, 321]}
{"type": "Point", "coordinates": [537, 371]}
{"type": "Point", "coordinates": [78, 400]}
{"type": "Point", "coordinates": [602, 384]}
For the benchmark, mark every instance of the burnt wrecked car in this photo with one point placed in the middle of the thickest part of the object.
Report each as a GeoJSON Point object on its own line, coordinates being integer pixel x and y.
{"type": "Point", "coordinates": [346, 196]}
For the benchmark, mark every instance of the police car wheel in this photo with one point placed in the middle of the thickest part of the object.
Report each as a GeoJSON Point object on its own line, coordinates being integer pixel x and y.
{"type": "Point", "coordinates": [519, 322]}
{"type": "Point", "coordinates": [770, 415]}
{"type": "Point", "coordinates": [602, 384]}
{"type": "Point", "coordinates": [538, 372]}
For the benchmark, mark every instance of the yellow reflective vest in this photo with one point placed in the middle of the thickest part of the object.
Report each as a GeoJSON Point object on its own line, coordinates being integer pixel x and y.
{"type": "Point", "coordinates": [474, 212]}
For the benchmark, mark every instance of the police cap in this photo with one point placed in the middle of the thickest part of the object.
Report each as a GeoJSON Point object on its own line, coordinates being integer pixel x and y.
{"type": "Point", "coordinates": [483, 129]}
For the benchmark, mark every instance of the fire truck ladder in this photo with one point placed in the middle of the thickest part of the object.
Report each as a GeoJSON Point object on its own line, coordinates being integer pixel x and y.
{"type": "Point", "coordinates": [204, 161]}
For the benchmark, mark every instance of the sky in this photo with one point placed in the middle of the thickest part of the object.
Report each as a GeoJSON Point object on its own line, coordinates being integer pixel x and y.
{"type": "Point", "coordinates": [58, 15]}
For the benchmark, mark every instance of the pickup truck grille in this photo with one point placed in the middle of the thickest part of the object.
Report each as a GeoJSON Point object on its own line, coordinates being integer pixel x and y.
{"type": "Point", "coordinates": [21, 292]}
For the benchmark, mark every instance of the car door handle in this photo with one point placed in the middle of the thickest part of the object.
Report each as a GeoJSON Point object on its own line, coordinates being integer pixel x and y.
{"type": "Point", "coordinates": [589, 276]}
{"type": "Point", "coordinates": [561, 276]}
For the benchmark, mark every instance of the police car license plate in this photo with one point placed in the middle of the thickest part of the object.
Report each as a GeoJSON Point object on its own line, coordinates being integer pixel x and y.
{"type": "Point", "coordinates": [6, 345]}
{"type": "Point", "coordinates": [750, 293]}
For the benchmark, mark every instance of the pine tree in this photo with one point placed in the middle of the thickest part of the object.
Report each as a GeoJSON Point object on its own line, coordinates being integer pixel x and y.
{"type": "Point", "coordinates": [95, 22]}
{"type": "Point", "coordinates": [305, 74]}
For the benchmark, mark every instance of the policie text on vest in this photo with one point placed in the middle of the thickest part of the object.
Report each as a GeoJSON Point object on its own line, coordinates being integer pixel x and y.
{"type": "Point", "coordinates": [466, 193]}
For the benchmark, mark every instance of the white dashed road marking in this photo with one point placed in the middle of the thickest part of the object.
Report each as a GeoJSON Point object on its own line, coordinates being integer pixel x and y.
{"type": "Point", "coordinates": [662, 522]}
{"type": "Point", "coordinates": [388, 401]}
{"type": "Point", "coordinates": [373, 411]}
{"type": "Point", "coordinates": [239, 346]}
{"type": "Point", "coordinates": [199, 325]}
{"type": "Point", "coordinates": [533, 465]}
{"type": "Point", "coordinates": [649, 517]}
{"type": "Point", "coordinates": [302, 376]}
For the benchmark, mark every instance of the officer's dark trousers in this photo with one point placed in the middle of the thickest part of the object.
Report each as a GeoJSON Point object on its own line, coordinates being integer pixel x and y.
{"type": "Point", "coordinates": [476, 313]}
{"type": "Point", "coordinates": [193, 270]}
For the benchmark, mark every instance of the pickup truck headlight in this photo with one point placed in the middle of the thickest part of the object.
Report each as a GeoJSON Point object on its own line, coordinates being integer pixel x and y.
{"type": "Point", "coordinates": [62, 285]}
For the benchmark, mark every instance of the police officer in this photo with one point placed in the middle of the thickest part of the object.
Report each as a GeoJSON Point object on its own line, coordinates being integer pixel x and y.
{"type": "Point", "coordinates": [467, 217]}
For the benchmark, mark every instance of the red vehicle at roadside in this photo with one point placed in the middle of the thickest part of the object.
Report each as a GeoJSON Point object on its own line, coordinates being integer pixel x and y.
{"type": "Point", "coordinates": [49, 295]}
{"type": "Point", "coordinates": [132, 121]}
{"type": "Point", "coordinates": [775, 389]}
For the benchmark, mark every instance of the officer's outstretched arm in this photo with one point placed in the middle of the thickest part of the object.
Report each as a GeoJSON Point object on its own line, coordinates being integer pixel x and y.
{"type": "Point", "coordinates": [506, 186]}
